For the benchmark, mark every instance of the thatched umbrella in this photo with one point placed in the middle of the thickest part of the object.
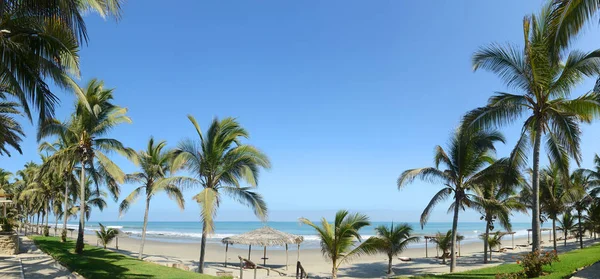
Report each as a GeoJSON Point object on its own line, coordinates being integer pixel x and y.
{"type": "Point", "coordinates": [265, 236]}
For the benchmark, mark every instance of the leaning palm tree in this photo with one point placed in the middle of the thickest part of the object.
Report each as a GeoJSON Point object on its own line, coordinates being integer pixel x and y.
{"type": "Point", "coordinates": [496, 202]}
{"type": "Point", "coordinates": [567, 225]}
{"type": "Point", "coordinates": [94, 117]}
{"type": "Point", "coordinates": [543, 81]}
{"type": "Point", "coordinates": [557, 194]}
{"type": "Point", "coordinates": [219, 162]}
{"type": "Point", "coordinates": [338, 239]}
{"type": "Point", "coordinates": [467, 165]}
{"type": "Point", "coordinates": [106, 235]}
{"type": "Point", "coordinates": [156, 164]}
{"type": "Point", "coordinates": [393, 240]}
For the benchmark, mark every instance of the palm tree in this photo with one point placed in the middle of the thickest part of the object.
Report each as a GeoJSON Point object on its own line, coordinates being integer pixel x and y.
{"type": "Point", "coordinates": [64, 165]}
{"type": "Point", "coordinates": [106, 235]}
{"type": "Point", "coordinates": [592, 176]}
{"type": "Point", "coordinates": [494, 240]}
{"type": "Point", "coordinates": [496, 201]}
{"type": "Point", "coordinates": [218, 163]}
{"type": "Point", "coordinates": [544, 84]}
{"type": "Point", "coordinates": [581, 181]}
{"type": "Point", "coordinates": [39, 42]}
{"type": "Point", "coordinates": [11, 132]}
{"type": "Point", "coordinates": [95, 115]}
{"type": "Point", "coordinates": [156, 164]}
{"type": "Point", "coordinates": [93, 198]}
{"type": "Point", "coordinates": [393, 240]}
{"type": "Point", "coordinates": [338, 239]}
{"type": "Point", "coordinates": [467, 165]}
{"type": "Point", "coordinates": [444, 243]}
{"type": "Point", "coordinates": [557, 194]}
{"type": "Point", "coordinates": [567, 224]}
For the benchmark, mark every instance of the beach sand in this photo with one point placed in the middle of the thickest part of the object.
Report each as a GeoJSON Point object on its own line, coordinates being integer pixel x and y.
{"type": "Point", "coordinates": [187, 254]}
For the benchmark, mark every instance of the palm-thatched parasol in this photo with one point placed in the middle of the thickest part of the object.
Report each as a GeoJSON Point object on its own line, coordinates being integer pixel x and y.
{"type": "Point", "coordinates": [265, 236]}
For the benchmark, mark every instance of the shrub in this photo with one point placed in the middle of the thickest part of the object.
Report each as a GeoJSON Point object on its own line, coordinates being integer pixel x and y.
{"type": "Point", "coordinates": [46, 231]}
{"type": "Point", "coordinates": [7, 224]}
{"type": "Point", "coordinates": [533, 264]}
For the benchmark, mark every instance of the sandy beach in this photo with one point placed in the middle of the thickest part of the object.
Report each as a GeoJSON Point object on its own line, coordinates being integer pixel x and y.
{"type": "Point", "coordinates": [186, 254]}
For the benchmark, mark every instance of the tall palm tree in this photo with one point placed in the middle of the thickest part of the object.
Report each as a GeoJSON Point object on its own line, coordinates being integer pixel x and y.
{"type": "Point", "coordinates": [64, 165]}
{"type": "Point", "coordinates": [592, 176]}
{"type": "Point", "coordinates": [543, 83]}
{"type": "Point", "coordinates": [156, 164]}
{"type": "Point", "coordinates": [393, 240]}
{"type": "Point", "coordinates": [338, 239]}
{"type": "Point", "coordinates": [495, 201]}
{"type": "Point", "coordinates": [581, 181]}
{"type": "Point", "coordinates": [219, 162]}
{"type": "Point", "coordinates": [467, 165]}
{"type": "Point", "coordinates": [557, 194]}
{"type": "Point", "coordinates": [567, 224]}
{"type": "Point", "coordinates": [94, 117]}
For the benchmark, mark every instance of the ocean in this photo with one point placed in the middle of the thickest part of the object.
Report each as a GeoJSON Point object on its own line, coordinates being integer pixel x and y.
{"type": "Point", "coordinates": [191, 232]}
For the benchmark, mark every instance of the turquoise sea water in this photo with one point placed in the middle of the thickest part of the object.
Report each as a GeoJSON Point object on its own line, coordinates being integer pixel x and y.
{"type": "Point", "coordinates": [191, 231]}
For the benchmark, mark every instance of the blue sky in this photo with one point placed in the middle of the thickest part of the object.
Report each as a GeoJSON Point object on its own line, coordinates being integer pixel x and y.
{"type": "Point", "coordinates": [342, 95]}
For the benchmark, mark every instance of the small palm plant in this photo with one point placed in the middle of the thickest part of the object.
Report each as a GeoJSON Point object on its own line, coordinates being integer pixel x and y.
{"type": "Point", "coordinates": [393, 240]}
{"type": "Point", "coordinates": [106, 235]}
{"type": "Point", "coordinates": [494, 241]}
{"type": "Point", "coordinates": [444, 243]}
{"type": "Point", "coordinates": [338, 239]}
{"type": "Point", "coordinates": [567, 224]}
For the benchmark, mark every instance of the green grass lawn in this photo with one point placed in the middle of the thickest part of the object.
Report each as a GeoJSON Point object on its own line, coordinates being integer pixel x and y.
{"type": "Point", "coordinates": [569, 262]}
{"type": "Point", "coordinates": [100, 263]}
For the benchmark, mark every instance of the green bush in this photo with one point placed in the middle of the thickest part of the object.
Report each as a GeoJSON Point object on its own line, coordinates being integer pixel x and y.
{"type": "Point", "coordinates": [63, 235]}
{"type": "Point", "coordinates": [533, 264]}
{"type": "Point", "coordinates": [7, 224]}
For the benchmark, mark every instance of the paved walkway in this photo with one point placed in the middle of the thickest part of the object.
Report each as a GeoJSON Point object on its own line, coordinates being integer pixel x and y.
{"type": "Point", "coordinates": [31, 263]}
{"type": "Point", "coordinates": [592, 272]}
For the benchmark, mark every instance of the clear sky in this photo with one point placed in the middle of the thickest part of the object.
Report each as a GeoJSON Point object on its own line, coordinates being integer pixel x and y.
{"type": "Point", "coordinates": [342, 95]}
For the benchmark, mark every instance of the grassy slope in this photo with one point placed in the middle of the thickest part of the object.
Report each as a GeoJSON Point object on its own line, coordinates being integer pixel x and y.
{"type": "Point", "coordinates": [569, 262]}
{"type": "Point", "coordinates": [99, 263]}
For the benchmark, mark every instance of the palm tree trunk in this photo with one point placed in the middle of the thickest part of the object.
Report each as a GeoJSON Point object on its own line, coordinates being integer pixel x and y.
{"type": "Point", "coordinates": [141, 254]}
{"type": "Point", "coordinates": [580, 230]}
{"type": "Point", "coordinates": [535, 211]}
{"type": "Point", "coordinates": [490, 254]}
{"type": "Point", "coordinates": [454, 229]}
{"type": "Point", "coordinates": [79, 244]}
{"type": "Point", "coordinates": [46, 229]}
{"type": "Point", "coordinates": [554, 232]}
{"type": "Point", "coordinates": [485, 241]}
{"type": "Point", "coordinates": [55, 224]}
{"type": "Point", "coordinates": [334, 269]}
{"type": "Point", "coordinates": [390, 257]}
{"type": "Point", "coordinates": [66, 210]}
{"type": "Point", "coordinates": [566, 234]}
{"type": "Point", "coordinates": [37, 224]}
{"type": "Point", "coordinates": [202, 249]}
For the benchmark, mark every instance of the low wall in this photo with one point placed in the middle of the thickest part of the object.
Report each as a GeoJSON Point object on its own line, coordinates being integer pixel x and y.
{"type": "Point", "coordinates": [9, 244]}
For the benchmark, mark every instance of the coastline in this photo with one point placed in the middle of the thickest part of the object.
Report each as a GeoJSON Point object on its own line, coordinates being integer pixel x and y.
{"type": "Point", "coordinates": [372, 266]}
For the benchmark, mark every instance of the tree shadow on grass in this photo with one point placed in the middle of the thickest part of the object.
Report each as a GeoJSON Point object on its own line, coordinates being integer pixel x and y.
{"type": "Point", "coordinates": [93, 263]}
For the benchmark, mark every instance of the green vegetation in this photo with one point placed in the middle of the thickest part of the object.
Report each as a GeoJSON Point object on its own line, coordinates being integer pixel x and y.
{"type": "Point", "coordinates": [219, 163]}
{"type": "Point", "coordinates": [569, 263]}
{"type": "Point", "coordinates": [338, 239]}
{"type": "Point", "coordinates": [468, 163]}
{"type": "Point", "coordinates": [96, 262]}
{"type": "Point", "coordinates": [393, 240]}
{"type": "Point", "coordinates": [156, 164]}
